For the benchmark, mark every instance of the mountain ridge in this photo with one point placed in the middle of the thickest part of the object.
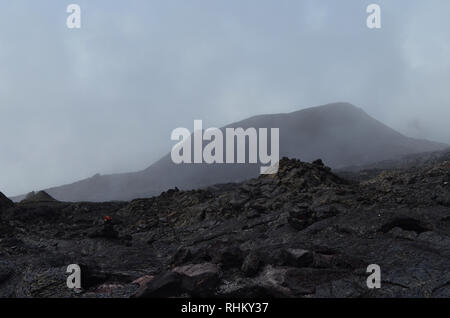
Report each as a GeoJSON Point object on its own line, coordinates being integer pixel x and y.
{"type": "Point", "coordinates": [339, 133]}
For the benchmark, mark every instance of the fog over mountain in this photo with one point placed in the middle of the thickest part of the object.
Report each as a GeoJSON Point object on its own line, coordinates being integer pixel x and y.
{"type": "Point", "coordinates": [340, 134]}
{"type": "Point", "coordinates": [105, 98]}
{"type": "Point", "coordinates": [224, 149]}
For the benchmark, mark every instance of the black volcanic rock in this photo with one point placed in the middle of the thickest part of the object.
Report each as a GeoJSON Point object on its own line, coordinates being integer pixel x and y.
{"type": "Point", "coordinates": [303, 232]}
{"type": "Point", "coordinates": [5, 202]}
{"type": "Point", "coordinates": [341, 134]}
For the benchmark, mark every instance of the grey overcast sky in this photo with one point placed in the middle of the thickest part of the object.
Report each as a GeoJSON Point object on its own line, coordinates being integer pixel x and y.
{"type": "Point", "coordinates": [104, 98]}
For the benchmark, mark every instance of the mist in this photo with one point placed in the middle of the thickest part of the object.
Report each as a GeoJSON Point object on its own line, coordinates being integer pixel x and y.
{"type": "Point", "coordinates": [105, 98]}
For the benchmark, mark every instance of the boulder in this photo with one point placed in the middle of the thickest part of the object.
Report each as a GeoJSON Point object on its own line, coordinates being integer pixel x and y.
{"type": "Point", "coordinates": [252, 264]}
{"type": "Point", "coordinates": [167, 284]}
{"type": "Point", "coordinates": [301, 217]}
{"type": "Point", "coordinates": [199, 279]}
{"type": "Point", "coordinates": [297, 257]}
{"type": "Point", "coordinates": [228, 257]}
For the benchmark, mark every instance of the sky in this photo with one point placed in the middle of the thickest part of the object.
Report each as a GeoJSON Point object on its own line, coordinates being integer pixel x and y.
{"type": "Point", "coordinates": [104, 98]}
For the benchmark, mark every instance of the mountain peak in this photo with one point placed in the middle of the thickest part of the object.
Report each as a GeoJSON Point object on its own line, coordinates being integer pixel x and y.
{"type": "Point", "coordinates": [342, 134]}
{"type": "Point", "coordinates": [338, 105]}
{"type": "Point", "coordinates": [40, 196]}
{"type": "Point", "coordinates": [341, 109]}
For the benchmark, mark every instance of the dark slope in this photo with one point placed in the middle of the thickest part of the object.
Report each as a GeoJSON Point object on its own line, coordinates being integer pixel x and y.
{"type": "Point", "coordinates": [341, 134]}
{"type": "Point", "coordinates": [5, 202]}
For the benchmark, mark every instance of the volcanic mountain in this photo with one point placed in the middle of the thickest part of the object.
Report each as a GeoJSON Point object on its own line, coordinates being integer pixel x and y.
{"type": "Point", "coordinates": [41, 196]}
{"type": "Point", "coordinates": [341, 134]}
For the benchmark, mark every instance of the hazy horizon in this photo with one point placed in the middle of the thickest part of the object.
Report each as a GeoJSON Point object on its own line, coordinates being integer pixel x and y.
{"type": "Point", "coordinates": [104, 98]}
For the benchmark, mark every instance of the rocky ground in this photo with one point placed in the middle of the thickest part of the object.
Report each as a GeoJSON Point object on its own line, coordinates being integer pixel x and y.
{"type": "Point", "coordinates": [304, 232]}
